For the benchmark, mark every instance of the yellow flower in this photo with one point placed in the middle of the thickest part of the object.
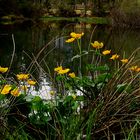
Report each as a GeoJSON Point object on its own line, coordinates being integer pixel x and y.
{"type": "Point", "coordinates": [73, 96]}
{"type": "Point", "coordinates": [6, 89]}
{"type": "Point", "coordinates": [97, 45]}
{"type": "Point", "coordinates": [72, 75]}
{"type": "Point", "coordinates": [22, 76]}
{"type": "Point", "coordinates": [58, 68]}
{"type": "Point", "coordinates": [31, 82]}
{"type": "Point", "coordinates": [106, 52]}
{"type": "Point", "coordinates": [133, 68]}
{"type": "Point", "coordinates": [52, 92]}
{"type": "Point", "coordinates": [115, 56]}
{"type": "Point", "coordinates": [73, 34]}
{"type": "Point", "coordinates": [3, 70]}
{"type": "Point", "coordinates": [70, 40]}
{"type": "Point", "coordinates": [15, 92]}
{"type": "Point", "coordinates": [124, 61]}
{"type": "Point", "coordinates": [76, 36]}
{"type": "Point", "coordinates": [63, 71]}
{"type": "Point", "coordinates": [138, 70]}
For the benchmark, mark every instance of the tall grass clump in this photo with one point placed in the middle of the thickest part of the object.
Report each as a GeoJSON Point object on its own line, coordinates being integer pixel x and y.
{"type": "Point", "coordinates": [101, 102]}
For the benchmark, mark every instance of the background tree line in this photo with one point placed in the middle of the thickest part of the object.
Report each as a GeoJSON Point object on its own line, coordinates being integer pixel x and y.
{"type": "Point", "coordinates": [36, 8]}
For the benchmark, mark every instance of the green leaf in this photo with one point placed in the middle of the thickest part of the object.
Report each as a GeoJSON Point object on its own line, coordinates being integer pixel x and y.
{"type": "Point", "coordinates": [123, 87]}
{"type": "Point", "coordinates": [36, 99]}
{"type": "Point", "coordinates": [84, 52]}
{"type": "Point", "coordinates": [2, 97]}
{"type": "Point", "coordinates": [2, 82]}
{"type": "Point", "coordinates": [67, 99]}
{"type": "Point", "coordinates": [92, 67]}
{"type": "Point", "coordinates": [29, 98]}
{"type": "Point", "coordinates": [102, 78]}
{"type": "Point", "coordinates": [76, 56]}
{"type": "Point", "coordinates": [75, 106]}
{"type": "Point", "coordinates": [60, 77]}
{"type": "Point", "coordinates": [34, 106]}
{"type": "Point", "coordinates": [79, 98]}
{"type": "Point", "coordinates": [102, 68]}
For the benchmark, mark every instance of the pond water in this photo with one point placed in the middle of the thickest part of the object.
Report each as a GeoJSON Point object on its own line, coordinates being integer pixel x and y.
{"type": "Point", "coordinates": [41, 47]}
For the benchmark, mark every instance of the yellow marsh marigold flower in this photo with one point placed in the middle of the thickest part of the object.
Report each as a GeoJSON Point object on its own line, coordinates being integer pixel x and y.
{"type": "Point", "coordinates": [15, 92]}
{"type": "Point", "coordinates": [58, 68]}
{"type": "Point", "coordinates": [72, 75]}
{"type": "Point", "coordinates": [124, 61]}
{"type": "Point", "coordinates": [76, 36]}
{"type": "Point", "coordinates": [72, 34]}
{"type": "Point", "coordinates": [115, 56]}
{"type": "Point", "coordinates": [106, 52]}
{"type": "Point", "coordinates": [6, 89]}
{"type": "Point", "coordinates": [70, 40]}
{"type": "Point", "coordinates": [63, 71]}
{"type": "Point", "coordinates": [97, 45]}
{"type": "Point", "coordinates": [3, 70]}
{"type": "Point", "coordinates": [73, 96]}
{"type": "Point", "coordinates": [133, 68]}
{"type": "Point", "coordinates": [31, 82]}
{"type": "Point", "coordinates": [138, 70]}
{"type": "Point", "coordinates": [22, 76]}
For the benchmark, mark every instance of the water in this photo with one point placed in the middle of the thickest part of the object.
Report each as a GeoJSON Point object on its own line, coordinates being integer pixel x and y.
{"type": "Point", "coordinates": [44, 45]}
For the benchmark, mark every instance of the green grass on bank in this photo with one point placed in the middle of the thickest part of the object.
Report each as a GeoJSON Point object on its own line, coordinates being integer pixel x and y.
{"type": "Point", "coordinates": [94, 20]}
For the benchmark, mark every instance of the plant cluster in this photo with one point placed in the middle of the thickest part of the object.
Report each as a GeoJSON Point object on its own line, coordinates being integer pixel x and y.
{"type": "Point", "coordinates": [101, 104]}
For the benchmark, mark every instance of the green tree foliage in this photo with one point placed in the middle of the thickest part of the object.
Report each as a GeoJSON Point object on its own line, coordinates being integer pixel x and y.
{"type": "Point", "coordinates": [8, 7]}
{"type": "Point", "coordinates": [28, 8]}
{"type": "Point", "coordinates": [35, 8]}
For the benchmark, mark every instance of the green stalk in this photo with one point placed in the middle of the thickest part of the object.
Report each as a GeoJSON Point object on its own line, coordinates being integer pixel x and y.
{"type": "Point", "coordinates": [80, 52]}
{"type": "Point", "coordinates": [79, 46]}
